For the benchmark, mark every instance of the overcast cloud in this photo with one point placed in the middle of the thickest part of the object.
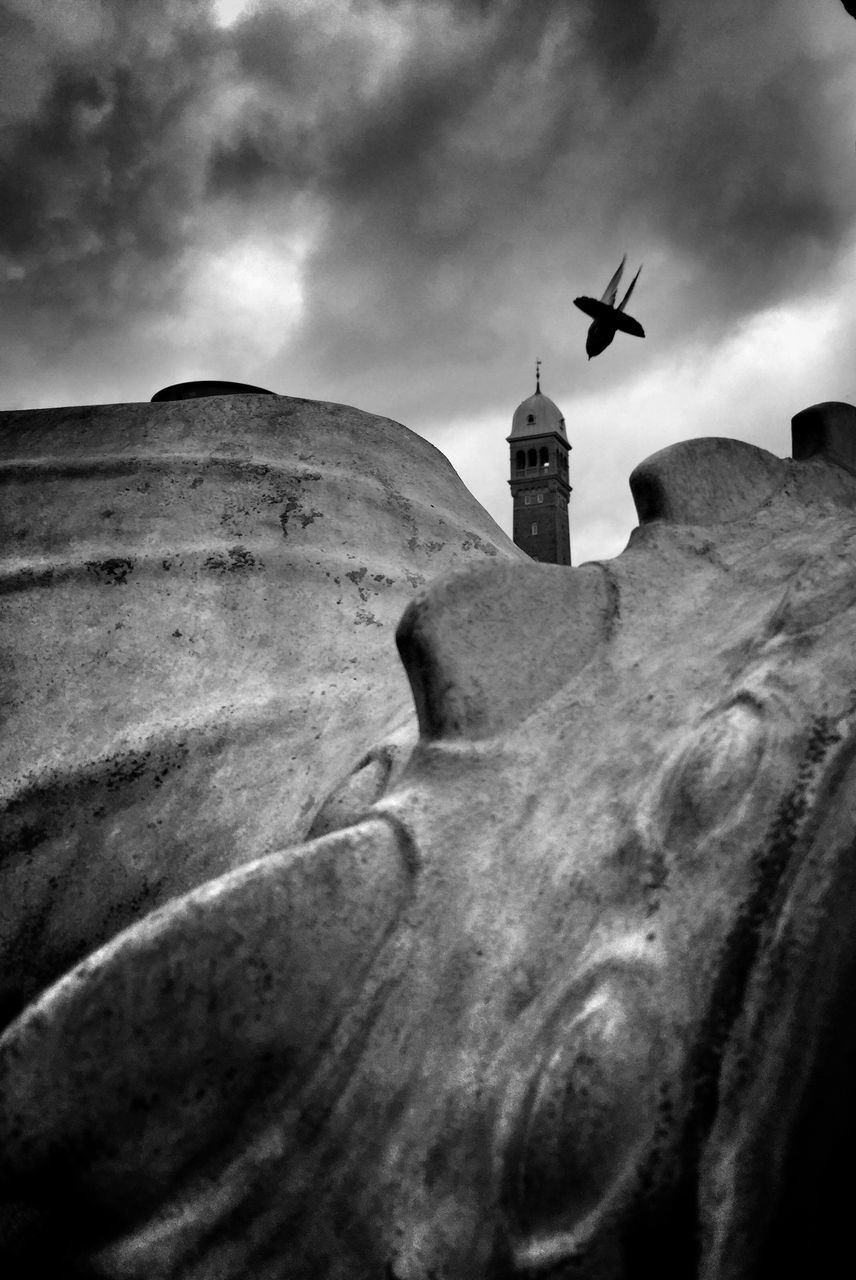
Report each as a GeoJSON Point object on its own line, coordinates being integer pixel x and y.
{"type": "Point", "coordinates": [394, 204]}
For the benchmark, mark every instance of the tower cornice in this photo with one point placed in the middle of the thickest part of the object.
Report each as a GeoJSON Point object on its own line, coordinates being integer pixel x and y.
{"type": "Point", "coordinates": [540, 435]}
{"type": "Point", "coordinates": [535, 482]}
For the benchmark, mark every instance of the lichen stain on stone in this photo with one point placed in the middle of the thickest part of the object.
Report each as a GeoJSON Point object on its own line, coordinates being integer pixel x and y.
{"type": "Point", "coordinates": [356, 576]}
{"type": "Point", "coordinates": [234, 519]}
{"type": "Point", "coordinates": [365, 618]}
{"type": "Point", "coordinates": [292, 495]}
{"type": "Point", "coordinates": [236, 559]}
{"type": "Point", "coordinates": [114, 572]}
{"type": "Point", "coordinates": [130, 767]}
{"type": "Point", "coordinates": [305, 517]}
{"type": "Point", "coordinates": [127, 769]}
{"type": "Point", "coordinates": [428, 548]}
{"type": "Point", "coordinates": [472, 540]}
{"type": "Point", "coordinates": [291, 505]}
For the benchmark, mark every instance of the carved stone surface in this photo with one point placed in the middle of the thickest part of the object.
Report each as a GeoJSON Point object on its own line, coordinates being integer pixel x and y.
{"type": "Point", "coordinates": [566, 990]}
{"type": "Point", "coordinates": [198, 601]}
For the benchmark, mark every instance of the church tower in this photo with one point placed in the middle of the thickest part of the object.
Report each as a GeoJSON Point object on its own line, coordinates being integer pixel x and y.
{"type": "Point", "coordinates": [539, 478]}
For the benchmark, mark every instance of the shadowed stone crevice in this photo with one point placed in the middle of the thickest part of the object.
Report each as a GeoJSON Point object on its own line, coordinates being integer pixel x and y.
{"type": "Point", "coordinates": [350, 800]}
{"type": "Point", "coordinates": [784, 1113]}
{"type": "Point", "coordinates": [828, 431]}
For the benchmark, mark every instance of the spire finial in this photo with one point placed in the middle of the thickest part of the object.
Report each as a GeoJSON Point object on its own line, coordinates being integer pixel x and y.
{"type": "Point", "coordinates": [538, 375]}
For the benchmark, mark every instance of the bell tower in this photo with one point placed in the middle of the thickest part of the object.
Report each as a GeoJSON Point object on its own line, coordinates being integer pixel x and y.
{"type": "Point", "coordinates": [540, 488]}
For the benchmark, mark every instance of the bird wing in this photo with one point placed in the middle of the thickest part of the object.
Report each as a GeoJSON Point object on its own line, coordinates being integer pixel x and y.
{"type": "Point", "coordinates": [612, 287]}
{"type": "Point", "coordinates": [623, 303]}
{"type": "Point", "coordinates": [592, 307]}
{"type": "Point", "coordinates": [627, 324]}
{"type": "Point", "coordinates": [602, 311]}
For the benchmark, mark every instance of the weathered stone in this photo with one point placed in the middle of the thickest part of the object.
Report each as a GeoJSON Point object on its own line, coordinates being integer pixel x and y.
{"type": "Point", "coordinates": [565, 989]}
{"type": "Point", "coordinates": [198, 604]}
{"type": "Point", "coordinates": [536, 626]}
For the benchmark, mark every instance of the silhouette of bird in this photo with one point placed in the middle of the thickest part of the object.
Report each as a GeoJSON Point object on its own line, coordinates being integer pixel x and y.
{"type": "Point", "coordinates": [607, 318]}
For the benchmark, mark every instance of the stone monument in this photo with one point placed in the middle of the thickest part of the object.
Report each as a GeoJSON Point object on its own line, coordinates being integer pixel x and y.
{"type": "Point", "coordinates": [559, 985]}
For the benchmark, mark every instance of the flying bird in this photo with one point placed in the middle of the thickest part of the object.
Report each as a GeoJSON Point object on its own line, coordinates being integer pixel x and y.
{"type": "Point", "coordinates": [607, 318]}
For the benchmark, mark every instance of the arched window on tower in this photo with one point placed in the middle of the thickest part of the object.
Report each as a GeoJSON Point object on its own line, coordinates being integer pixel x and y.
{"type": "Point", "coordinates": [533, 458]}
{"type": "Point", "coordinates": [530, 417]}
{"type": "Point", "coordinates": [520, 460]}
{"type": "Point", "coordinates": [545, 456]}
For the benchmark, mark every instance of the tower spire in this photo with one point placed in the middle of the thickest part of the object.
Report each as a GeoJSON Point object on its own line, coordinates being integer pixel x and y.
{"type": "Point", "coordinates": [537, 375]}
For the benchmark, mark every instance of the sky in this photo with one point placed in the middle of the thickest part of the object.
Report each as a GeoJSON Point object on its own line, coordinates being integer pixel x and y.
{"type": "Point", "coordinates": [393, 203]}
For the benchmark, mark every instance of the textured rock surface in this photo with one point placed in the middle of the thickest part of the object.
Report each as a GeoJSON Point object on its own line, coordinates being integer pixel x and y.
{"type": "Point", "coordinates": [198, 605]}
{"type": "Point", "coordinates": [571, 996]}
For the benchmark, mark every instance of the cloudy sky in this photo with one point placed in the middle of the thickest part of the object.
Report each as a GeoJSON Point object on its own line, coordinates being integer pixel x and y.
{"type": "Point", "coordinates": [392, 204]}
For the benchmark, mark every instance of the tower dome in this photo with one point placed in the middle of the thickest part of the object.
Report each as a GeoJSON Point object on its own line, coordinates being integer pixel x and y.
{"type": "Point", "coordinates": [537, 416]}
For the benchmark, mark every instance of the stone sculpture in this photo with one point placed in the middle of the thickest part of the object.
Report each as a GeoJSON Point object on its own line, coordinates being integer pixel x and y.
{"type": "Point", "coordinates": [563, 989]}
{"type": "Point", "coordinates": [198, 609]}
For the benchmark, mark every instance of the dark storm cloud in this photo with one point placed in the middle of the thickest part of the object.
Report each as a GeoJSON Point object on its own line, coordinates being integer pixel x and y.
{"type": "Point", "coordinates": [752, 209]}
{"type": "Point", "coordinates": [430, 179]}
{"type": "Point", "coordinates": [351, 144]}
{"type": "Point", "coordinates": [544, 134]}
{"type": "Point", "coordinates": [101, 172]}
{"type": "Point", "coordinates": [622, 34]}
{"type": "Point", "coordinates": [467, 164]}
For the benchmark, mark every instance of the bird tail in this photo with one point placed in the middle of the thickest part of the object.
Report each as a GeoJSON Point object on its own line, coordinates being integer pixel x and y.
{"type": "Point", "coordinates": [612, 287]}
{"type": "Point", "coordinates": [623, 303]}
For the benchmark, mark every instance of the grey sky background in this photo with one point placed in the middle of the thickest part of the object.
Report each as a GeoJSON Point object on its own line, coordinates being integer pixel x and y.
{"type": "Point", "coordinates": [393, 204]}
